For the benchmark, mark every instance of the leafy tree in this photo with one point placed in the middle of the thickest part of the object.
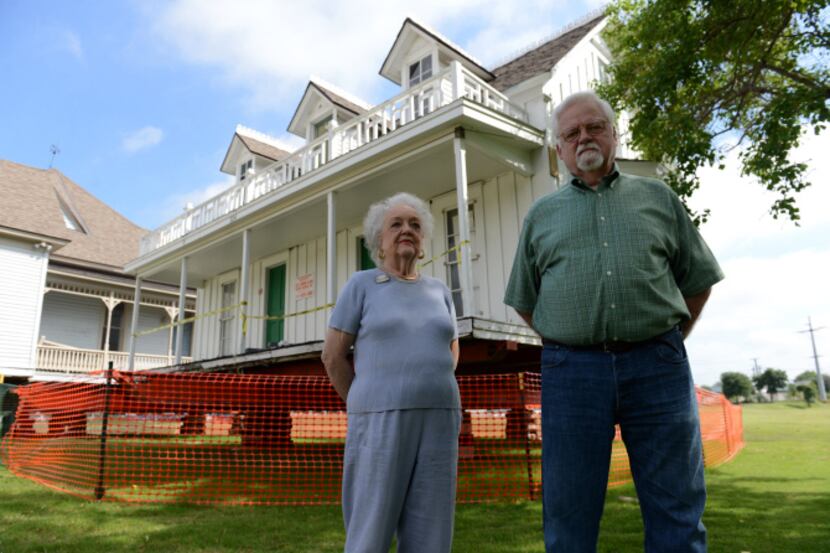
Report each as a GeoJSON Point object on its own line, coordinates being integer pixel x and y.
{"type": "Point", "coordinates": [736, 385]}
{"type": "Point", "coordinates": [694, 73]}
{"type": "Point", "coordinates": [810, 376]}
{"type": "Point", "coordinates": [771, 379]}
{"type": "Point", "coordinates": [808, 391]}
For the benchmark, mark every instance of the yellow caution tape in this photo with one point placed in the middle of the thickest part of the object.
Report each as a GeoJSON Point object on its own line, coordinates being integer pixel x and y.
{"type": "Point", "coordinates": [445, 253]}
{"type": "Point", "coordinates": [244, 316]}
{"type": "Point", "coordinates": [196, 317]}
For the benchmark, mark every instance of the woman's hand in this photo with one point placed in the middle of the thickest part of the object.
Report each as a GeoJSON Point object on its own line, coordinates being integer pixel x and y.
{"type": "Point", "coordinates": [335, 359]}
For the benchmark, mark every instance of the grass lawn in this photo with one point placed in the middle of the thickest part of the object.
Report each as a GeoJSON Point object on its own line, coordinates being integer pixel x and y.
{"type": "Point", "coordinates": [773, 497]}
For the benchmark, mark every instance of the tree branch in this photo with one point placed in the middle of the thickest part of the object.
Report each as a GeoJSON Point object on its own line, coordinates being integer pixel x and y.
{"type": "Point", "coordinates": [799, 78]}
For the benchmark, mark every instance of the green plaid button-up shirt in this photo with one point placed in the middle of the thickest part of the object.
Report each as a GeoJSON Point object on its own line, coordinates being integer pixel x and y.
{"type": "Point", "coordinates": [611, 263]}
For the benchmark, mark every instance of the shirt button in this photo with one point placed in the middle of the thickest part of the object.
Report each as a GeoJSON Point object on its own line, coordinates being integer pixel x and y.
{"type": "Point", "coordinates": [601, 218]}
{"type": "Point", "coordinates": [599, 194]}
{"type": "Point", "coordinates": [613, 306]}
{"type": "Point", "coordinates": [615, 338]}
{"type": "Point", "coordinates": [608, 273]}
{"type": "Point", "coordinates": [605, 244]}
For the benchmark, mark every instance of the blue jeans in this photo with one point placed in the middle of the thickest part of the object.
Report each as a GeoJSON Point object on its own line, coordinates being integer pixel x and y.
{"type": "Point", "coordinates": [650, 393]}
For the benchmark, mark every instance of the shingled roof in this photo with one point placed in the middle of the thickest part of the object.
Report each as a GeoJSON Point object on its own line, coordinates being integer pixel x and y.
{"type": "Point", "coordinates": [262, 149]}
{"type": "Point", "coordinates": [35, 200]}
{"type": "Point", "coordinates": [338, 99]}
{"type": "Point", "coordinates": [543, 58]}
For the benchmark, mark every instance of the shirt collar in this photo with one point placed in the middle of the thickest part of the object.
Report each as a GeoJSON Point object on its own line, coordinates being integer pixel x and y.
{"type": "Point", "coordinates": [608, 181]}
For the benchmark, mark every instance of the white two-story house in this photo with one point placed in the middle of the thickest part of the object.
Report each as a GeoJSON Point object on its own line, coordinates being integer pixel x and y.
{"type": "Point", "coordinates": [65, 301]}
{"type": "Point", "coordinates": [285, 238]}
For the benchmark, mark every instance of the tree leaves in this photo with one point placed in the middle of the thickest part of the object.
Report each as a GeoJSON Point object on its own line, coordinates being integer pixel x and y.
{"type": "Point", "coordinates": [703, 77]}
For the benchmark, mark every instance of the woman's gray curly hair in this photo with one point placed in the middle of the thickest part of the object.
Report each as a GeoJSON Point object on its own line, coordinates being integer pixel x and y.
{"type": "Point", "coordinates": [373, 223]}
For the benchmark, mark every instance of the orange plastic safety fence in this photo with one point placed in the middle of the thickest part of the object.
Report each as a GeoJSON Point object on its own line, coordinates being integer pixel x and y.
{"type": "Point", "coordinates": [263, 439]}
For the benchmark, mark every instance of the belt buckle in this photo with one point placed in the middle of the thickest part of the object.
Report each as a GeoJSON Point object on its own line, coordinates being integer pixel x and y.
{"type": "Point", "coordinates": [616, 347]}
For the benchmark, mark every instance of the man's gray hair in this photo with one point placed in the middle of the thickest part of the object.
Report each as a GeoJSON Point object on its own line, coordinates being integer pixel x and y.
{"type": "Point", "coordinates": [588, 95]}
{"type": "Point", "coordinates": [373, 223]}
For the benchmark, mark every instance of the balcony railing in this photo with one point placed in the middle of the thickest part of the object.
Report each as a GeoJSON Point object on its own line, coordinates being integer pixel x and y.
{"type": "Point", "coordinates": [77, 360]}
{"type": "Point", "coordinates": [442, 89]}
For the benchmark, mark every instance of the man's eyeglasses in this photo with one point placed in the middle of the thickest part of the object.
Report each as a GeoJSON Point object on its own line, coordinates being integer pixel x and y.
{"type": "Point", "coordinates": [593, 129]}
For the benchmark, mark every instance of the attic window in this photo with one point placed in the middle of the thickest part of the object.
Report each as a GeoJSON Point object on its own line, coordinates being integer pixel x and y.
{"type": "Point", "coordinates": [245, 169]}
{"type": "Point", "coordinates": [69, 220]}
{"type": "Point", "coordinates": [420, 71]}
{"type": "Point", "coordinates": [322, 127]}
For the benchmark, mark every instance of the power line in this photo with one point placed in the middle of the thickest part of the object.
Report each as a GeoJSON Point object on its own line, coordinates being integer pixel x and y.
{"type": "Point", "coordinates": [822, 393]}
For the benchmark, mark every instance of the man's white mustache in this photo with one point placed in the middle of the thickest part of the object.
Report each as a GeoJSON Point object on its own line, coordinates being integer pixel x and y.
{"type": "Point", "coordinates": [587, 146]}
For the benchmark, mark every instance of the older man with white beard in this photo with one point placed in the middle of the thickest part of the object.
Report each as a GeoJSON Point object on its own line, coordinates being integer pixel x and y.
{"type": "Point", "coordinates": [612, 274]}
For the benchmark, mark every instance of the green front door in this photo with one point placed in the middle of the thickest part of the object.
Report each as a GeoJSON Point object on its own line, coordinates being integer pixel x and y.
{"type": "Point", "coordinates": [364, 259]}
{"type": "Point", "coordinates": [275, 328]}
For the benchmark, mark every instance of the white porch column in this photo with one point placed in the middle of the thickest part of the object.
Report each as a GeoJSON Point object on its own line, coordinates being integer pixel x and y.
{"type": "Point", "coordinates": [331, 250]}
{"type": "Point", "coordinates": [181, 314]}
{"type": "Point", "coordinates": [110, 304]}
{"type": "Point", "coordinates": [134, 323]}
{"type": "Point", "coordinates": [172, 313]}
{"type": "Point", "coordinates": [465, 269]}
{"type": "Point", "coordinates": [457, 79]}
{"type": "Point", "coordinates": [243, 288]}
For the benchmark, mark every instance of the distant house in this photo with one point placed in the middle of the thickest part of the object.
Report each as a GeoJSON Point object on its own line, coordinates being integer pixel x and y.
{"type": "Point", "coordinates": [65, 301]}
{"type": "Point", "coordinates": [270, 253]}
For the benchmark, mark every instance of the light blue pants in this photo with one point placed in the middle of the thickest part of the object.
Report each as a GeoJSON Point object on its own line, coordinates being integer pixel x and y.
{"type": "Point", "coordinates": [399, 475]}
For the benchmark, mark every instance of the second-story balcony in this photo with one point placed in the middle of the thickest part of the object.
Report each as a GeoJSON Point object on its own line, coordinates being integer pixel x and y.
{"type": "Point", "coordinates": [444, 88]}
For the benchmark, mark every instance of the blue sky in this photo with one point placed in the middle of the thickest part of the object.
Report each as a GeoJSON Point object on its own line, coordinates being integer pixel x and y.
{"type": "Point", "coordinates": [142, 99]}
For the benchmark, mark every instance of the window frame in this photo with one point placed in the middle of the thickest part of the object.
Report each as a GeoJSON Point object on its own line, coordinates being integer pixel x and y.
{"type": "Point", "coordinates": [420, 76]}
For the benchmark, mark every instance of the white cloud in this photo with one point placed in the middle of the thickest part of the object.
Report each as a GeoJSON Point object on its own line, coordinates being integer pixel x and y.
{"type": "Point", "coordinates": [776, 272]}
{"type": "Point", "coordinates": [270, 48]}
{"type": "Point", "coordinates": [141, 139]}
{"type": "Point", "coordinates": [72, 43]}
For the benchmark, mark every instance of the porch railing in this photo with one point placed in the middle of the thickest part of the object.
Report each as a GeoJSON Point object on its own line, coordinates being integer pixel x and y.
{"type": "Point", "coordinates": [77, 360]}
{"type": "Point", "coordinates": [442, 89]}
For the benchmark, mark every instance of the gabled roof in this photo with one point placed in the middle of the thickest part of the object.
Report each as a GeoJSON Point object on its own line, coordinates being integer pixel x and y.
{"type": "Point", "coordinates": [542, 58]}
{"type": "Point", "coordinates": [257, 143]}
{"type": "Point", "coordinates": [318, 88]}
{"type": "Point", "coordinates": [36, 201]}
{"type": "Point", "coordinates": [411, 28]}
{"type": "Point", "coordinates": [339, 97]}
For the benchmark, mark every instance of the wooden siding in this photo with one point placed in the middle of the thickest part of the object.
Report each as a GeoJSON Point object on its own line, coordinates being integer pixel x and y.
{"type": "Point", "coordinates": [70, 320]}
{"type": "Point", "coordinates": [500, 205]}
{"type": "Point", "coordinates": [21, 297]}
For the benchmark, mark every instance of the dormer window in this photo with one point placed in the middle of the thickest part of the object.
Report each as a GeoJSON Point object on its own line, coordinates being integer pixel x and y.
{"type": "Point", "coordinates": [322, 127]}
{"type": "Point", "coordinates": [420, 71]}
{"type": "Point", "coordinates": [69, 220]}
{"type": "Point", "coordinates": [245, 169]}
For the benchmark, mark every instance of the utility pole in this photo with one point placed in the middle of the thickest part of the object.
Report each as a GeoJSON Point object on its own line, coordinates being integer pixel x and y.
{"type": "Point", "coordinates": [822, 393]}
{"type": "Point", "coordinates": [756, 370]}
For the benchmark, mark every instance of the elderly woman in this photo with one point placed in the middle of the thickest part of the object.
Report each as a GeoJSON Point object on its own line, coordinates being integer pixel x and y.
{"type": "Point", "coordinates": [399, 469]}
